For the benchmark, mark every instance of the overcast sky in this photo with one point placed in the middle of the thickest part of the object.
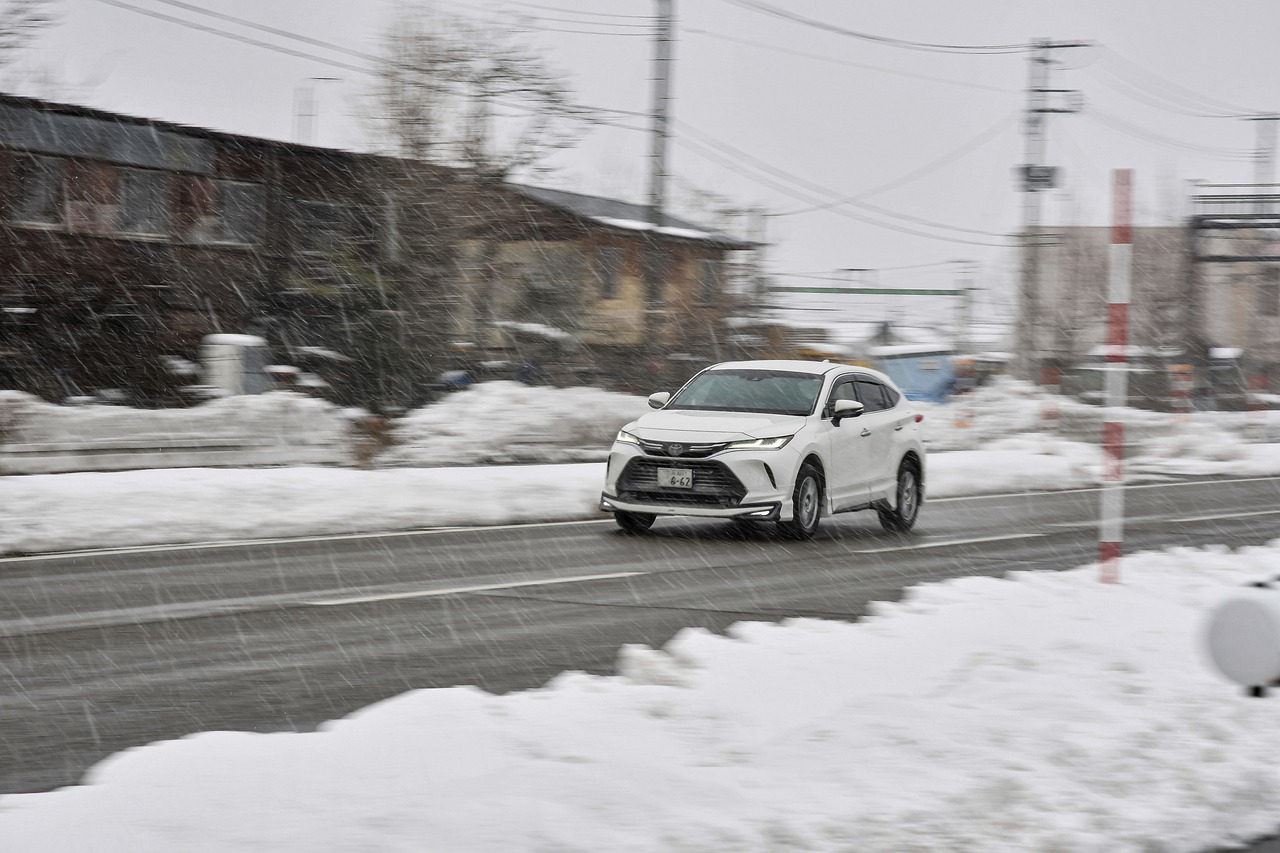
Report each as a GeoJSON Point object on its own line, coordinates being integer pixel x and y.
{"type": "Point", "coordinates": [772, 112]}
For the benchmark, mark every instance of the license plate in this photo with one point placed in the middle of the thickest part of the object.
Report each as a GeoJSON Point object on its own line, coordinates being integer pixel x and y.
{"type": "Point", "coordinates": [675, 478]}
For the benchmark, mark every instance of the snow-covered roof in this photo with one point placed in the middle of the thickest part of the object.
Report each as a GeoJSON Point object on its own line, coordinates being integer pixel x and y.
{"type": "Point", "coordinates": [909, 349]}
{"type": "Point", "coordinates": [626, 216]}
{"type": "Point", "coordinates": [234, 340]}
{"type": "Point", "coordinates": [535, 329]}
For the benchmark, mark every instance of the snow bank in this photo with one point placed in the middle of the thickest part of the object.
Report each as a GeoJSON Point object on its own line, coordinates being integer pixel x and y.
{"type": "Point", "coordinates": [1043, 711]}
{"type": "Point", "coordinates": [506, 422]}
{"type": "Point", "coordinates": [280, 415]}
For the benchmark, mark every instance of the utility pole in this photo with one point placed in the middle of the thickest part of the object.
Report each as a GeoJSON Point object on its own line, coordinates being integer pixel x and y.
{"type": "Point", "coordinates": [306, 110]}
{"type": "Point", "coordinates": [1034, 177]}
{"type": "Point", "coordinates": [654, 269]}
{"type": "Point", "coordinates": [1265, 157]}
{"type": "Point", "coordinates": [964, 323]}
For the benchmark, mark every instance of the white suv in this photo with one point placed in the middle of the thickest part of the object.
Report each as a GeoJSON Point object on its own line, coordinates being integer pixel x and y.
{"type": "Point", "coordinates": [784, 441]}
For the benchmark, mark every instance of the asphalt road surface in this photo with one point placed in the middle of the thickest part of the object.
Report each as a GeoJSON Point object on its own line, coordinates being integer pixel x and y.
{"type": "Point", "coordinates": [102, 651]}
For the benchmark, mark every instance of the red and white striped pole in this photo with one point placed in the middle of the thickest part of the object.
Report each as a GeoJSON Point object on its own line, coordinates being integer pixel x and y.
{"type": "Point", "coordinates": [1181, 381]}
{"type": "Point", "coordinates": [1111, 539]}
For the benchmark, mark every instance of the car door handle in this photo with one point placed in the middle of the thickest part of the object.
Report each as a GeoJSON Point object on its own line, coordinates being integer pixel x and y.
{"type": "Point", "coordinates": [866, 432]}
{"type": "Point", "coordinates": [898, 428]}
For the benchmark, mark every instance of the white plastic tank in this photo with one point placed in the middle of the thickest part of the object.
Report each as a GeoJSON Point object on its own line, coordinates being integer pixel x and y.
{"type": "Point", "coordinates": [235, 364]}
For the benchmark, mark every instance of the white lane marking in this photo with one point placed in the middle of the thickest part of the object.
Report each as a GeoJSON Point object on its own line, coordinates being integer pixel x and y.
{"type": "Point", "coordinates": [1085, 489]}
{"type": "Point", "coordinates": [1229, 515]}
{"type": "Point", "coordinates": [287, 540]}
{"type": "Point", "coordinates": [429, 531]}
{"type": "Point", "coordinates": [457, 590]}
{"type": "Point", "coordinates": [921, 546]}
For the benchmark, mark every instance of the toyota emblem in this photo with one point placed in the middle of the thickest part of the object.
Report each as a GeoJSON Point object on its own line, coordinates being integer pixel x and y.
{"type": "Point", "coordinates": [675, 449]}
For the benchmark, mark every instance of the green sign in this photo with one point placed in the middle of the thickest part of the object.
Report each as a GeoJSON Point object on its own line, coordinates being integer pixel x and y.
{"type": "Point", "coordinates": [870, 291]}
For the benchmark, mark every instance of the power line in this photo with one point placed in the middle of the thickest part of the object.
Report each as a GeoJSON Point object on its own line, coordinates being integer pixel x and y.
{"type": "Point", "coordinates": [768, 168]}
{"type": "Point", "coordinates": [1117, 123]}
{"type": "Point", "coordinates": [711, 154]}
{"type": "Point", "coordinates": [1177, 93]}
{"type": "Point", "coordinates": [778, 48]}
{"type": "Point", "coordinates": [575, 11]}
{"type": "Point", "coordinates": [765, 8]}
{"type": "Point", "coordinates": [951, 157]}
{"type": "Point", "coordinates": [1151, 99]}
{"type": "Point", "coordinates": [252, 41]}
{"type": "Point", "coordinates": [376, 60]}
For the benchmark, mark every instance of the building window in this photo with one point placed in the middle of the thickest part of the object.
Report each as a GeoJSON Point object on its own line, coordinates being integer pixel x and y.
{"type": "Point", "coordinates": [37, 190]}
{"type": "Point", "coordinates": [1269, 294]}
{"type": "Point", "coordinates": [321, 226]}
{"type": "Point", "coordinates": [218, 211]}
{"type": "Point", "coordinates": [655, 276]}
{"type": "Point", "coordinates": [144, 206]}
{"type": "Point", "coordinates": [608, 270]}
{"type": "Point", "coordinates": [243, 211]}
{"type": "Point", "coordinates": [709, 281]}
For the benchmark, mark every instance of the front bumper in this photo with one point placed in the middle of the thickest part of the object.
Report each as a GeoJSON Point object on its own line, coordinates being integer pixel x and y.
{"type": "Point", "coordinates": [734, 484]}
{"type": "Point", "coordinates": [757, 512]}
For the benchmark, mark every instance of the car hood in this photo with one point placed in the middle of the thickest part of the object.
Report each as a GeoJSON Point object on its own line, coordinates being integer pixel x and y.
{"type": "Point", "coordinates": [696, 427]}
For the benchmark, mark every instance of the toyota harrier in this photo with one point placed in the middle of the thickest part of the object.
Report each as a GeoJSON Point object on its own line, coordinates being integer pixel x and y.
{"type": "Point", "coordinates": [784, 441]}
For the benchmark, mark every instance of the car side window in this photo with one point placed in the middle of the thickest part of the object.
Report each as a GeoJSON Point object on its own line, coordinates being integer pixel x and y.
{"type": "Point", "coordinates": [843, 390]}
{"type": "Point", "coordinates": [873, 395]}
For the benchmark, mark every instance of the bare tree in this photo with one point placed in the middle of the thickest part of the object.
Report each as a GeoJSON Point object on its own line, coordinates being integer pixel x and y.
{"type": "Point", "coordinates": [20, 22]}
{"type": "Point", "coordinates": [464, 106]}
{"type": "Point", "coordinates": [469, 95]}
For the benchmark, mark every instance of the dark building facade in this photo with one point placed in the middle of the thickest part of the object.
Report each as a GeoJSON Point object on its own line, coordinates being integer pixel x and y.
{"type": "Point", "coordinates": [124, 241]}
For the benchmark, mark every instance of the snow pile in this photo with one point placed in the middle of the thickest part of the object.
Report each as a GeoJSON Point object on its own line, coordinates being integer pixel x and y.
{"type": "Point", "coordinates": [61, 512]}
{"type": "Point", "coordinates": [1043, 711]}
{"type": "Point", "coordinates": [281, 416]}
{"type": "Point", "coordinates": [506, 422]}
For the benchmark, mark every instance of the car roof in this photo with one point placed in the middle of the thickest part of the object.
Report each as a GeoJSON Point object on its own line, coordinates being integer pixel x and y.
{"type": "Point", "coordinates": [817, 368]}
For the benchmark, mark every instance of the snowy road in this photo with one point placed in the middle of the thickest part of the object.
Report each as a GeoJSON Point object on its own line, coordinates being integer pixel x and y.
{"type": "Point", "coordinates": [104, 651]}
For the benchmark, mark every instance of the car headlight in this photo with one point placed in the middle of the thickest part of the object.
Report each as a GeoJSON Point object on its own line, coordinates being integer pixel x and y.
{"type": "Point", "coordinates": [761, 443]}
{"type": "Point", "coordinates": [625, 437]}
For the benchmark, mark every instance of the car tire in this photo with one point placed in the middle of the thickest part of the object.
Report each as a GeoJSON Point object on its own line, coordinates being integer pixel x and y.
{"type": "Point", "coordinates": [634, 522]}
{"type": "Point", "coordinates": [806, 502]}
{"type": "Point", "coordinates": [902, 517]}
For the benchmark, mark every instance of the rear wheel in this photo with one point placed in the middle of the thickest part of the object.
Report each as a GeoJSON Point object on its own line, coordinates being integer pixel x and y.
{"type": "Point", "coordinates": [806, 505]}
{"type": "Point", "coordinates": [902, 517]}
{"type": "Point", "coordinates": [634, 522]}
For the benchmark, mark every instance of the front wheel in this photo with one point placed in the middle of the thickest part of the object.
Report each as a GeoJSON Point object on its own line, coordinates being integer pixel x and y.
{"type": "Point", "coordinates": [902, 517]}
{"type": "Point", "coordinates": [634, 522]}
{"type": "Point", "coordinates": [806, 505]}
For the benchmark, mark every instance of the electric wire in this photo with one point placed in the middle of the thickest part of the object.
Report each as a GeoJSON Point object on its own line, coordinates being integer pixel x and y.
{"type": "Point", "coordinates": [334, 63]}
{"type": "Point", "coordinates": [946, 160]}
{"type": "Point", "coordinates": [809, 186]}
{"type": "Point", "coordinates": [574, 11]}
{"type": "Point", "coordinates": [764, 8]}
{"type": "Point", "coordinates": [1176, 93]}
{"type": "Point", "coordinates": [849, 63]}
{"type": "Point", "coordinates": [1117, 123]}
{"type": "Point", "coordinates": [709, 153]}
{"type": "Point", "coordinates": [372, 58]}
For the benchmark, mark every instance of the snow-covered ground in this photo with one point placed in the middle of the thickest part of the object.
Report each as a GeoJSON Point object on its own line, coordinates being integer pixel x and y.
{"type": "Point", "coordinates": [998, 440]}
{"type": "Point", "coordinates": [1041, 711]}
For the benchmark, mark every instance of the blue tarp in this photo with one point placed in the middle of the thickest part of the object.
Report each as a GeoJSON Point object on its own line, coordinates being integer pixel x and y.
{"type": "Point", "coordinates": [929, 376]}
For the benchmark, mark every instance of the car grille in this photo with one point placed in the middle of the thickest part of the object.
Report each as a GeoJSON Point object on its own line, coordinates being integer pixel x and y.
{"type": "Point", "coordinates": [680, 450]}
{"type": "Point", "coordinates": [713, 484]}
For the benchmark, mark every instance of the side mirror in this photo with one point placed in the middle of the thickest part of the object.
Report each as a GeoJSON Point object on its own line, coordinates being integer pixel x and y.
{"type": "Point", "coordinates": [658, 400]}
{"type": "Point", "coordinates": [842, 409]}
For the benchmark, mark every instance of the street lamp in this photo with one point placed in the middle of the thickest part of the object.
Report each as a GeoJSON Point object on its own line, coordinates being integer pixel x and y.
{"type": "Point", "coordinates": [306, 112]}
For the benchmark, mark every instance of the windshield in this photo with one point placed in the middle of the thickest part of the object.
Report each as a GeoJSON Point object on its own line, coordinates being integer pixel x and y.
{"type": "Point", "coordinates": [776, 392]}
